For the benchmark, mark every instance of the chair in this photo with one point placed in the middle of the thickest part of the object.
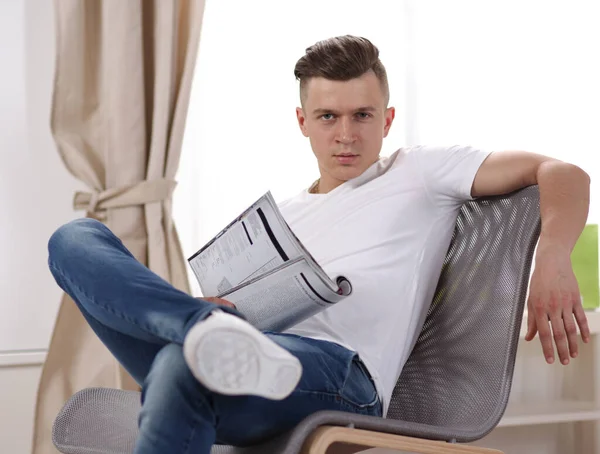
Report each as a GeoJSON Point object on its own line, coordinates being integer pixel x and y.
{"type": "Point", "coordinates": [455, 385]}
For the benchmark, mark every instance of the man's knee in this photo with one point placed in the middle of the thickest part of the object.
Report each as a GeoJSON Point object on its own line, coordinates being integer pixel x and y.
{"type": "Point", "coordinates": [72, 237]}
{"type": "Point", "coordinates": [169, 366]}
{"type": "Point", "coordinates": [172, 395]}
{"type": "Point", "coordinates": [170, 378]}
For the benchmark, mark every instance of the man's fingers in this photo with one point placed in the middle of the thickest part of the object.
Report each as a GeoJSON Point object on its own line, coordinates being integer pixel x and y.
{"type": "Point", "coordinates": [560, 338]}
{"type": "Point", "coordinates": [220, 301]}
{"type": "Point", "coordinates": [531, 326]}
{"type": "Point", "coordinates": [571, 332]}
{"type": "Point", "coordinates": [581, 318]}
{"type": "Point", "coordinates": [543, 327]}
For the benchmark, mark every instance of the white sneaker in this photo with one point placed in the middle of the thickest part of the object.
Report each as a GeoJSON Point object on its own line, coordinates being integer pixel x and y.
{"type": "Point", "coordinates": [229, 356]}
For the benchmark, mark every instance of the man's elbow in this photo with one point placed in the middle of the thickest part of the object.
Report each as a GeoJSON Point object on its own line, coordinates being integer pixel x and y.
{"type": "Point", "coordinates": [585, 175]}
{"type": "Point", "coordinates": [554, 167]}
{"type": "Point", "coordinates": [579, 173]}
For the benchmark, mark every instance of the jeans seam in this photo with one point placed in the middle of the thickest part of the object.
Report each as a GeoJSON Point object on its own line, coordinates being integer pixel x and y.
{"type": "Point", "coordinates": [187, 441]}
{"type": "Point", "coordinates": [341, 397]}
{"type": "Point", "coordinates": [347, 374]}
{"type": "Point", "coordinates": [164, 336]}
{"type": "Point", "coordinates": [351, 406]}
{"type": "Point", "coordinates": [201, 400]}
{"type": "Point", "coordinates": [350, 401]}
{"type": "Point", "coordinates": [319, 393]}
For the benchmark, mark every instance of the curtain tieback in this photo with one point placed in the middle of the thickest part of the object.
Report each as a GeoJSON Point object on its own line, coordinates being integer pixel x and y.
{"type": "Point", "coordinates": [148, 191]}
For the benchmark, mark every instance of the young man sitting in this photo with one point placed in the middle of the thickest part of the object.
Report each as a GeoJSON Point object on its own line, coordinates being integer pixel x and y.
{"type": "Point", "coordinates": [385, 222]}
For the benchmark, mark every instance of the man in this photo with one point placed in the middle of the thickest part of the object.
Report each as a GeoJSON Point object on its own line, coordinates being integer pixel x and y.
{"type": "Point", "coordinates": [386, 223]}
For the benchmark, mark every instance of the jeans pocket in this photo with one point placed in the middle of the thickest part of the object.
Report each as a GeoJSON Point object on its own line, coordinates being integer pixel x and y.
{"type": "Point", "coordinates": [359, 390]}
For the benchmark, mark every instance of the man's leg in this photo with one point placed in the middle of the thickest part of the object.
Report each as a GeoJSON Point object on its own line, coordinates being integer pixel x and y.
{"type": "Point", "coordinates": [333, 378]}
{"type": "Point", "coordinates": [180, 415]}
{"type": "Point", "coordinates": [96, 269]}
{"type": "Point", "coordinates": [132, 310]}
{"type": "Point", "coordinates": [134, 355]}
{"type": "Point", "coordinates": [136, 313]}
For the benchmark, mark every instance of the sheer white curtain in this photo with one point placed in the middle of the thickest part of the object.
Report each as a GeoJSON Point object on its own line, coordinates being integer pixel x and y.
{"type": "Point", "coordinates": [509, 74]}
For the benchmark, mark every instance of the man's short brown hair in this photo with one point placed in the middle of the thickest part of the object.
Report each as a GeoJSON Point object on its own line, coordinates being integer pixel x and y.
{"type": "Point", "coordinates": [341, 58]}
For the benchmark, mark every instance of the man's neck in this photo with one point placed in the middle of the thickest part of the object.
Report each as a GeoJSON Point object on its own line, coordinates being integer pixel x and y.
{"type": "Point", "coordinates": [314, 188]}
{"type": "Point", "coordinates": [318, 187]}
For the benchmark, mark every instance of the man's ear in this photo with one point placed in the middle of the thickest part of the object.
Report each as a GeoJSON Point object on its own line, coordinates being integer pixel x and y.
{"type": "Point", "coordinates": [389, 115]}
{"type": "Point", "coordinates": [301, 121]}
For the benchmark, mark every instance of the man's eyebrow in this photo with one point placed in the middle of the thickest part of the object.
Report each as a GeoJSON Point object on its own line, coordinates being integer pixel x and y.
{"type": "Point", "coordinates": [322, 111]}
{"type": "Point", "coordinates": [366, 109]}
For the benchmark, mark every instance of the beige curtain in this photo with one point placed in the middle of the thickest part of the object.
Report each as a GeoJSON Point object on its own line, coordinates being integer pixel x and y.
{"type": "Point", "coordinates": [122, 83]}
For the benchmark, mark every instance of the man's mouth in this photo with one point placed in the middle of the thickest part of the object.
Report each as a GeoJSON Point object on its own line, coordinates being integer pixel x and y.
{"type": "Point", "coordinates": [346, 158]}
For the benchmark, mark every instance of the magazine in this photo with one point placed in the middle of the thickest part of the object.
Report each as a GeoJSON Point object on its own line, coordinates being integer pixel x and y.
{"type": "Point", "coordinates": [259, 264]}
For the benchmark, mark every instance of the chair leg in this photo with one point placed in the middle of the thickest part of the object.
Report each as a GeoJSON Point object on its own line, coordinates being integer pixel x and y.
{"type": "Point", "coordinates": [323, 437]}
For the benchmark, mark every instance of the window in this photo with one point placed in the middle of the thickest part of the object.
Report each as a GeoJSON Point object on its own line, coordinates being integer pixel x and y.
{"type": "Point", "coordinates": [510, 74]}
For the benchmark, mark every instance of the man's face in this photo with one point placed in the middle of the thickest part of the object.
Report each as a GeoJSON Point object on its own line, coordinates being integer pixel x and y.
{"type": "Point", "coordinates": [346, 123]}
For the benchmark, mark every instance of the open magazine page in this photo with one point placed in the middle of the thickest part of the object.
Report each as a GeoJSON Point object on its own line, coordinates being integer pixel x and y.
{"type": "Point", "coordinates": [302, 251]}
{"type": "Point", "coordinates": [246, 248]}
{"type": "Point", "coordinates": [258, 264]}
{"type": "Point", "coordinates": [287, 245]}
{"type": "Point", "coordinates": [257, 241]}
{"type": "Point", "coordinates": [285, 240]}
{"type": "Point", "coordinates": [285, 296]}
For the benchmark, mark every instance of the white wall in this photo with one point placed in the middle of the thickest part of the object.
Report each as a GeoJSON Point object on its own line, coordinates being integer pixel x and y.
{"type": "Point", "coordinates": [18, 386]}
{"type": "Point", "coordinates": [35, 189]}
{"type": "Point", "coordinates": [35, 198]}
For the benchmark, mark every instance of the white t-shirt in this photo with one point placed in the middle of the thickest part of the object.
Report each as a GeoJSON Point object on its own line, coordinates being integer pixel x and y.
{"type": "Point", "coordinates": [387, 231]}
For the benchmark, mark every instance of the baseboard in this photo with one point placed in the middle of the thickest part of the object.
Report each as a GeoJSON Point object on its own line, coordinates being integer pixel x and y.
{"type": "Point", "coordinates": [17, 358]}
{"type": "Point", "coordinates": [20, 373]}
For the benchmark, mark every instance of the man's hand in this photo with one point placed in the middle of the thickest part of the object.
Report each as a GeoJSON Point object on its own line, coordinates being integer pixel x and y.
{"type": "Point", "coordinates": [554, 305]}
{"type": "Point", "coordinates": [215, 300]}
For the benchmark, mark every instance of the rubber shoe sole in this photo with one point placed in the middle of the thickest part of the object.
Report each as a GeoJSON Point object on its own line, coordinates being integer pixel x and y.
{"type": "Point", "coordinates": [229, 356]}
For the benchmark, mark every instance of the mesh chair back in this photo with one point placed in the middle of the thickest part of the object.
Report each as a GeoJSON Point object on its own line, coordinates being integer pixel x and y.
{"type": "Point", "coordinates": [459, 374]}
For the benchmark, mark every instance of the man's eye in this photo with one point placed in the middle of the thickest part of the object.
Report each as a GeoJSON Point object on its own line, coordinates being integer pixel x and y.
{"type": "Point", "coordinates": [327, 116]}
{"type": "Point", "coordinates": [363, 115]}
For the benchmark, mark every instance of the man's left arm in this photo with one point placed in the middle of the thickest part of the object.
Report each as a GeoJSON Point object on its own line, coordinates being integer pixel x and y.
{"type": "Point", "coordinates": [554, 303]}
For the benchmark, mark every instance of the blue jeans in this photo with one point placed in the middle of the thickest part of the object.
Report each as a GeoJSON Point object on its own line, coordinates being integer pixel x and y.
{"type": "Point", "coordinates": [143, 320]}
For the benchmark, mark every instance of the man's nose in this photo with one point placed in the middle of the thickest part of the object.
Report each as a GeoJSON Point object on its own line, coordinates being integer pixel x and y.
{"type": "Point", "coordinates": [345, 133]}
